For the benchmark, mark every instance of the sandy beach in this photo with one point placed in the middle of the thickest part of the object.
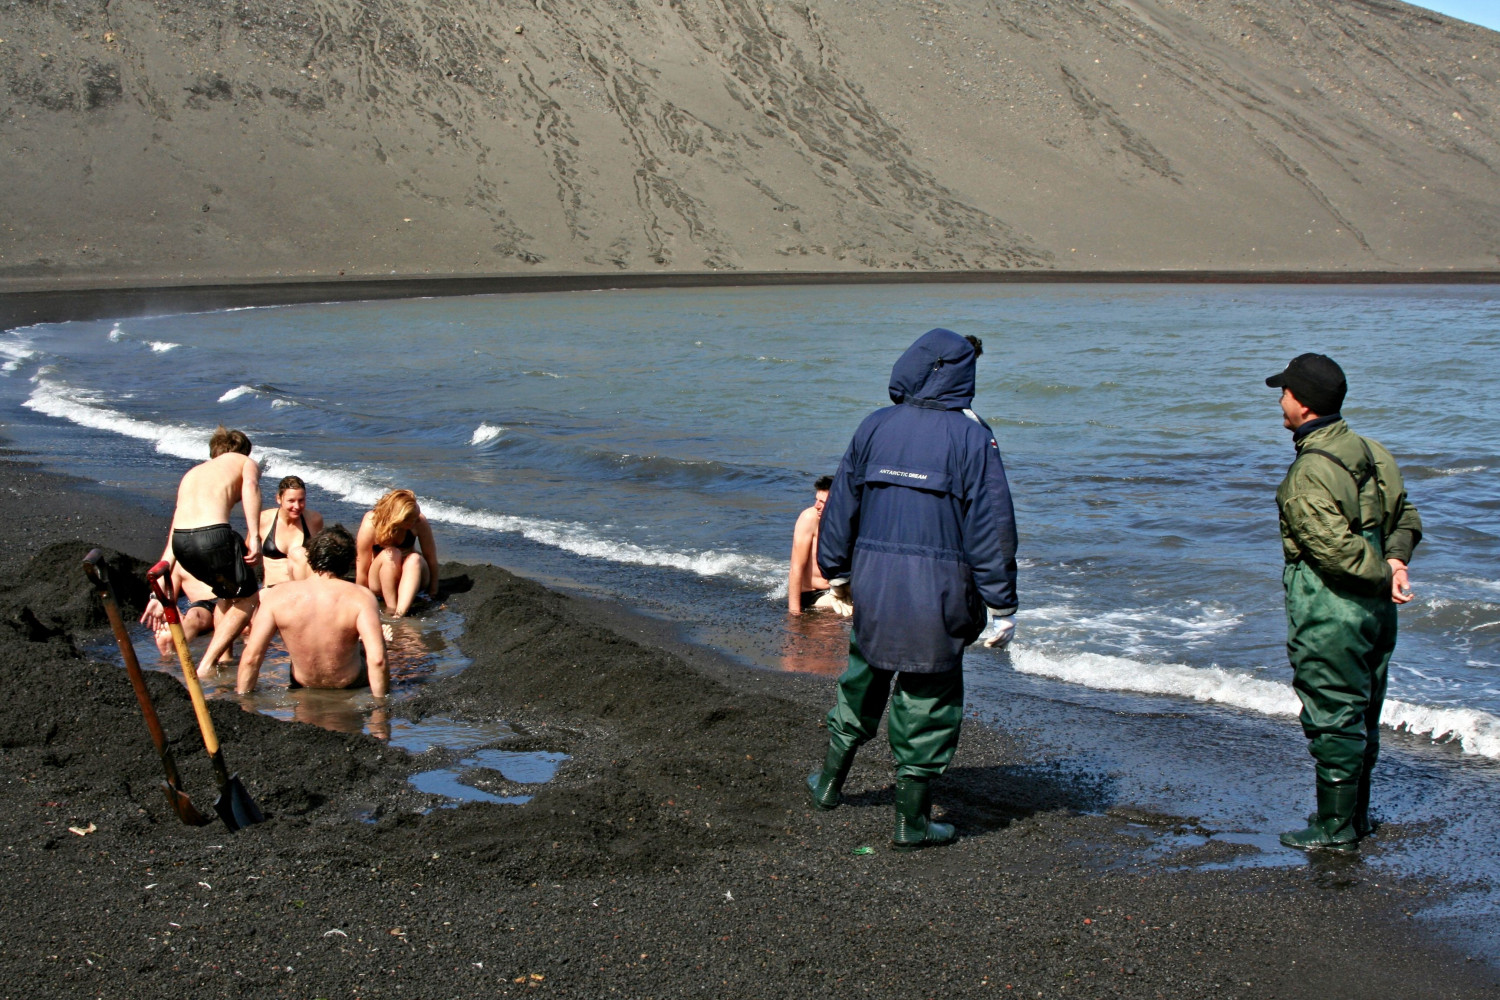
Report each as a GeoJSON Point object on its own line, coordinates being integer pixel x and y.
{"type": "Point", "coordinates": [671, 855]}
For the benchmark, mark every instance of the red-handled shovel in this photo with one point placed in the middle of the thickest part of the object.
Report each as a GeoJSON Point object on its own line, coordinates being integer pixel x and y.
{"type": "Point", "coordinates": [177, 799]}
{"type": "Point", "coordinates": [234, 804]}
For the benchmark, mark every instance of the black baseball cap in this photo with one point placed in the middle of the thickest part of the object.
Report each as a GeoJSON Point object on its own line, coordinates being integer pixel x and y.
{"type": "Point", "coordinates": [1316, 380]}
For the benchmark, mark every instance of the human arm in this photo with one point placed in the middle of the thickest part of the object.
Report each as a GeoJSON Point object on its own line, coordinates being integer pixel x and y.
{"type": "Point", "coordinates": [802, 544]}
{"type": "Point", "coordinates": [1320, 534]}
{"type": "Point", "coordinates": [154, 615]}
{"type": "Point", "coordinates": [250, 498]}
{"type": "Point", "coordinates": [262, 628]}
{"type": "Point", "coordinates": [1400, 582]}
{"type": "Point", "coordinates": [370, 634]}
{"type": "Point", "coordinates": [838, 526]}
{"type": "Point", "coordinates": [429, 553]}
{"type": "Point", "coordinates": [364, 550]}
{"type": "Point", "coordinates": [989, 524]}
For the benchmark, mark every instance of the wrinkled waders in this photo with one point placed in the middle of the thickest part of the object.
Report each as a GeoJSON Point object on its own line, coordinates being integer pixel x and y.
{"type": "Point", "coordinates": [1340, 647]}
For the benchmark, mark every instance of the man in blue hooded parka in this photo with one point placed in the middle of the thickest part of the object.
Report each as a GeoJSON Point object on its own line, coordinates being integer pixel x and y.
{"type": "Point", "coordinates": [919, 529]}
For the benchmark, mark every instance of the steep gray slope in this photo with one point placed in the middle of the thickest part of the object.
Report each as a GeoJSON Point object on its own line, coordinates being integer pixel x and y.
{"type": "Point", "coordinates": [165, 139]}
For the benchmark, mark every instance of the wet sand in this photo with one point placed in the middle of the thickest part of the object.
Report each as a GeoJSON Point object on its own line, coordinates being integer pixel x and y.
{"type": "Point", "coordinates": [671, 855]}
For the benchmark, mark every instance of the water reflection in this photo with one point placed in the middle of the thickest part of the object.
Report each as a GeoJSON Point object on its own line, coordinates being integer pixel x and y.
{"type": "Point", "coordinates": [815, 642]}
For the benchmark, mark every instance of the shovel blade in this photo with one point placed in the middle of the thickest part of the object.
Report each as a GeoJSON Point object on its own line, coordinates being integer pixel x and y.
{"type": "Point", "coordinates": [235, 806]}
{"type": "Point", "coordinates": [179, 803]}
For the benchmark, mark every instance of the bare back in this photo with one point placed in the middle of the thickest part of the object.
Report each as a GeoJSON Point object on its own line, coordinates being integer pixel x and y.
{"type": "Point", "coordinates": [805, 541]}
{"type": "Point", "coordinates": [208, 492]}
{"type": "Point", "coordinates": [323, 621]}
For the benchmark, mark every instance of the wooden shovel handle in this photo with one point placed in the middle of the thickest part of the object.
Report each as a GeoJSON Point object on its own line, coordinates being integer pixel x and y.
{"type": "Point", "coordinates": [93, 566]}
{"type": "Point", "coordinates": [184, 656]}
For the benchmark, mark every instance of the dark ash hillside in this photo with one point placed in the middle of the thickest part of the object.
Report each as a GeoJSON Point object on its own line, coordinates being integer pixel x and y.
{"type": "Point", "coordinates": [166, 141]}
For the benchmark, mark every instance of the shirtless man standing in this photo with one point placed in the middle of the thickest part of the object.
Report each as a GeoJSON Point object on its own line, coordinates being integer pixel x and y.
{"type": "Point", "coordinates": [208, 547]}
{"type": "Point", "coordinates": [330, 626]}
{"type": "Point", "coordinates": [805, 586]}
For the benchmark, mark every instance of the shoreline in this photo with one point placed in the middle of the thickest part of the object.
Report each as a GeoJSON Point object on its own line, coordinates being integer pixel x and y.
{"type": "Point", "coordinates": [24, 302]}
{"type": "Point", "coordinates": [681, 798]}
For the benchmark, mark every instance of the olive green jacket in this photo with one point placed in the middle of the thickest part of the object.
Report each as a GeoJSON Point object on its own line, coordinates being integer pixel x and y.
{"type": "Point", "coordinates": [1324, 511]}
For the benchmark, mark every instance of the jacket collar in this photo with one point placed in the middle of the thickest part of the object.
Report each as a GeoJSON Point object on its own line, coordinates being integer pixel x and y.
{"type": "Point", "coordinates": [1300, 434]}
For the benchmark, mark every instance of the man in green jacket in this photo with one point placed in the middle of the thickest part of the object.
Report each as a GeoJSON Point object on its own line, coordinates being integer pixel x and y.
{"type": "Point", "coordinates": [1347, 533]}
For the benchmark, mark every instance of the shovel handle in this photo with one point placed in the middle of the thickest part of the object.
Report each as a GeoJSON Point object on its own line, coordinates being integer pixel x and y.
{"type": "Point", "coordinates": [184, 656]}
{"type": "Point", "coordinates": [93, 566]}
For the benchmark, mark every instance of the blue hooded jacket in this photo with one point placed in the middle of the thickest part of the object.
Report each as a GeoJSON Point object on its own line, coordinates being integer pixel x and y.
{"type": "Point", "coordinates": [919, 519]}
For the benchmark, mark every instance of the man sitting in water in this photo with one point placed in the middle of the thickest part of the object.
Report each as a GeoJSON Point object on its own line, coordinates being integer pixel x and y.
{"type": "Point", "coordinates": [330, 626]}
{"type": "Point", "coordinates": [207, 547]}
{"type": "Point", "coordinates": [805, 586]}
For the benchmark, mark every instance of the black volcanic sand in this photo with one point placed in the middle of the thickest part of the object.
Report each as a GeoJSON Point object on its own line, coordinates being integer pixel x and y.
{"type": "Point", "coordinates": [672, 855]}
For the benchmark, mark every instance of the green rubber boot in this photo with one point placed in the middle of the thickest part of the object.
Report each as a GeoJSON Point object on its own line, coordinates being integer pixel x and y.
{"type": "Point", "coordinates": [825, 788]}
{"type": "Point", "coordinates": [1363, 824]}
{"type": "Point", "coordinates": [1333, 827]}
{"type": "Point", "coordinates": [914, 827]}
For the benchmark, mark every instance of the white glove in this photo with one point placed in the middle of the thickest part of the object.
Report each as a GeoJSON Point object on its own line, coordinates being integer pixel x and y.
{"type": "Point", "coordinates": [998, 632]}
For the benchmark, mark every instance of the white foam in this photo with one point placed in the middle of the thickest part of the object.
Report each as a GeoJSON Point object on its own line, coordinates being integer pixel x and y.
{"type": "Point", "coordinates": [1476, 732]}
{"type": "Point", "coordinates": [1460, 470]}
{"type": "Point", "coordinates": [236, 393]}
{"type": "Point", "coordinates": [1118, 673]}
{"type": "Point", "coordinates": [116, 334]}
{"type": "Point", "coordinates": [15, 350]}
{"type": "Point", "coordinates": [163, 346]}
{"type": "Point", "coordinates": [277, 404]}
{"type": "Point", "coordinates": [486, 432]}
{"type": "Point", "coordinates": [182, 441]}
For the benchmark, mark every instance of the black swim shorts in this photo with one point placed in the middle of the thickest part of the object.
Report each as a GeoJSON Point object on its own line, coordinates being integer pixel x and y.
{"type": "Point", "coordinates": [362, 681]}
{"type": "Point", "coordinates": [216, 555]}
{"type": "Point", "coordinates": [810, 597]}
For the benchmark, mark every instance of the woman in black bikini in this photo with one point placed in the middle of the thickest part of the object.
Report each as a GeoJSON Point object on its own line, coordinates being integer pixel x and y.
{"type": "Point", "coordinates": [387, 556]}
{"type": "Point", "coordinates": [286, 530]}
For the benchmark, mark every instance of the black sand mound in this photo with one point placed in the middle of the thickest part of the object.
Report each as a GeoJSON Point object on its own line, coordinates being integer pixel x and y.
{"type": "Point", "coordinates": [671, 856]}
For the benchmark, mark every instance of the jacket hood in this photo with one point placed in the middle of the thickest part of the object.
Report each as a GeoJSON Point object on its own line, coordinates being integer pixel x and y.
{"type": "Point", "coordinates": [937, 372]}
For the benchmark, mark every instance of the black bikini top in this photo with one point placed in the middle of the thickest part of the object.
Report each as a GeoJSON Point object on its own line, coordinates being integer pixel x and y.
{"type": "Point", "coordinates": [268, 545]}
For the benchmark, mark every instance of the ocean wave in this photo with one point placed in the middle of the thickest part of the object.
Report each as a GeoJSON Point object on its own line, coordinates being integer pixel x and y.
{"type": "Point", "coordinates": [236, 393]}
{"type": "Point", "coordinates": [163, 346]}
{"type": "Point", "coordinates": [55, 399]}
{"type": "Point", "coordinates": [1119, 673]}
{"type": "Point", "coordinates": [1135, 630]}
{"type": "Point", "coordinates": [277, 404]}
{"type": "Point", "coordinates": [485, 433]}
{"type": "Point", "coordinates": [116, 334]}
{"type": "Point", "coordinates": [544, 374]}
{"type": "Point", "coordinates": [14, 350]}
{"type": "Point", "coordinates": [1475, 731]}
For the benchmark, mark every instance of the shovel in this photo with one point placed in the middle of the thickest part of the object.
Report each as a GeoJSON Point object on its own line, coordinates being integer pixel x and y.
{"type": "Point", "coordinates": [234, 804]}
{"type": "Point", "coordinates": [177, 799]}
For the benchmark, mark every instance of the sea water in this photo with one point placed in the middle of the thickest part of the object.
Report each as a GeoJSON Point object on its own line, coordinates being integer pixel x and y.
{"type": "Point", "coordinates": [656, 446]}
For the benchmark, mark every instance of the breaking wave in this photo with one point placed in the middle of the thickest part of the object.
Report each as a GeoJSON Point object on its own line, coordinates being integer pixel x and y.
{"type": "Point", "coordinates": [1475, 731]}
{"type": "Point", "coordinates": [54, 399]}
{"type": "Point", "coordinates": [14, 351]}
{"type": "Point", "coordinates": [485, 433]}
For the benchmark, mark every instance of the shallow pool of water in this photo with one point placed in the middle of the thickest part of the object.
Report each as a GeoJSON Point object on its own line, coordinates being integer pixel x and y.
{"type": "Point", "coordinates": [471, 743]}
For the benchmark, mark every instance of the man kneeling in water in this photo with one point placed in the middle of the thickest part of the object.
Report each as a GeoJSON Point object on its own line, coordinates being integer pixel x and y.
{"type": "Point", "coordinates": [330, 627]}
